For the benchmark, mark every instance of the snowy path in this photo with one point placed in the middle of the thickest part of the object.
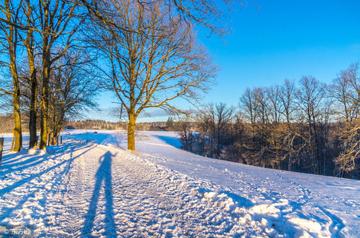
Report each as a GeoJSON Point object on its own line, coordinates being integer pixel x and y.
{"type": "Point", "coordinates": [95, 190]}
{"type": "Point", "coordinates": [90, 187]}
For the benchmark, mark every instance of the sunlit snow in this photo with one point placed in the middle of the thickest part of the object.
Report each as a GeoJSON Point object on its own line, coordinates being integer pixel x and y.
{"type": "Point", "coordinates": [92, 186]}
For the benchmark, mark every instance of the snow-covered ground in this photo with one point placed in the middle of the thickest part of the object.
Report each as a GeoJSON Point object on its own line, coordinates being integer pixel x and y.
{"type": "Point", "coordinates": [91, 186]}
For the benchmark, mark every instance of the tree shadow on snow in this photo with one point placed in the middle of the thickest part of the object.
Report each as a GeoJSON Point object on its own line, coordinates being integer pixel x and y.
{"type": "Point", "coordinates": [173, 141]}
{"type": "Point", "coordinates": [31, 179]}
{"type": "Point", "coordinates": [27, 161]}
{"type": "Point", "coordinates": [103, 175]}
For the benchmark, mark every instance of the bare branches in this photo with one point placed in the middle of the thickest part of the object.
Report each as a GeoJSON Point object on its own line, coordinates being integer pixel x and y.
{"type": "Point", "coordinates": [349, 160]}
{"type": "Point", "coordinates": [294, 126]}
{"type": "Point", "coordinates": [204, 12]}
{"type": "Point", "coordinates": [346, 91]}
{"type": "Point", "coordinates": [72, 90]}
{"type": "Point", "coordinates": [154, 60]}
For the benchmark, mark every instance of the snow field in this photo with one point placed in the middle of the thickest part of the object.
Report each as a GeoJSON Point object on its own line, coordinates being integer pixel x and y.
{"type": "Point", "coordinates": [91, 187]}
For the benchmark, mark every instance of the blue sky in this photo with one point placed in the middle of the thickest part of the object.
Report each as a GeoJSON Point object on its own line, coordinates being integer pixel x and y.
{"type": "Point", "coordinates": [271, 40]}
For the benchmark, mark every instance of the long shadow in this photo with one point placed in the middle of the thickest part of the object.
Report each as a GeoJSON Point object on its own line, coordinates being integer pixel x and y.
{"type": "Point", "coordinates": [10, 159]}
{"type": "Point", "coordinates": [56, 179]}
{"type": "Point", "coordinates": [170, 140]}
{"type": "Point", "coordinates": [103, 174]}
{"type": "Point", "coordinates": [27, 161]}
{"type": "Point", "coordinates": [23, 164]}
{"type": "Point", "coordinates": [33, 176]}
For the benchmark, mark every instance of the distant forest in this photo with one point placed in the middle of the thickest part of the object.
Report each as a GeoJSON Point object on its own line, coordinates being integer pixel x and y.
{"type": "Point", "coordinates": [7, 125]}
{"type": "Point", "coordinates": [305, 126]}
{"type": "Point", "coordinates": [106, 125]}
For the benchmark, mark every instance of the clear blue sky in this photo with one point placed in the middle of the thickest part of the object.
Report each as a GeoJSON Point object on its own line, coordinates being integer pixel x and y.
{"type": "Point", "coordinates": [270, 40]}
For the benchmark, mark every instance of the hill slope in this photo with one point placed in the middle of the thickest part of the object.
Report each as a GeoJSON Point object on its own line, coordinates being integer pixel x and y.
{"type": "Point", "coordinates": [92, 186]}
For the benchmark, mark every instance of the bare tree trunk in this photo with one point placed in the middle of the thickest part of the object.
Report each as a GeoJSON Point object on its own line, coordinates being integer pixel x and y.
{"type": "Point", "coordinates": [17, 132]}
{"type": "Point", "coordinates": [33, 110]}
{"type": "Point", "coordinates": [1, 147]}
{"type": "Point", "coordinates": [43, 130]}
{"type": "Point", "coordinates": [131, 131]}
{"type": "Point", "coordinates": [33, 107]}
{"type": "Point", "coordinates": [46, 63]}
{"type": "Point", "coordinates": [44, 111]}
{"type": "Point", "coordinates": [54, 137]}
{"type": "Point", "coordinates": [44, 99]}
{"type": "Point", "coordinates": [29, 44]}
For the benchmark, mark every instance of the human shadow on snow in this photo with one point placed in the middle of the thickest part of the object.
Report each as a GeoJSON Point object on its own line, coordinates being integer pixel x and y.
{"type": "Point", "coordinates": [103, 176]}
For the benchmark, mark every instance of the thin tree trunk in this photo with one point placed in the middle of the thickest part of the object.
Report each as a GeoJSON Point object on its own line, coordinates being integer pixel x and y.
{"type": "Point", "coordinates": [33, 105]}
{"type": "Point", "coordinates": [17, 131]}
{"type": "Point", "coordinates": [43, 119]}
{"type": "Point", "coordinates": [54, 138]}
{"type": "Point", "coordinates": [45, 96]}
{"type": "Point", "coordinates": [131, 131]}
{"type": "Point", "coordinates": [1, 147]}
{"type": "Point", "coordinates": [12, 41]}
{"type": "Point", "coordinates": [44, 108]}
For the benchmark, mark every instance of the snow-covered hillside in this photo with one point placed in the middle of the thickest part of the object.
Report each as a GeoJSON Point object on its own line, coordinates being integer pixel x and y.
{"type": "Point", "coordinates": [92, 186]}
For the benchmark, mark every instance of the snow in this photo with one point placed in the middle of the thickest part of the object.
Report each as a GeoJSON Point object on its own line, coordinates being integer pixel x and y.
{"type": "Point", "coordinates": [92, 186]}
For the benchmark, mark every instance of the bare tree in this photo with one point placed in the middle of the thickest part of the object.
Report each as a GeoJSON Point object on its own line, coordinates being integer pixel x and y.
{"type": "Point", "coordinates": [10, 17]}
{"type": "Point", "coordinates": [215, 121]}
{"type": "Point", "coordinates": [247, 104]}
{"type": "Point", "coordinates": [59, 21]}
{"type": "Point", "coordinates": [214, 130]}
{"type": "Point", "coordinates": [204, 12]}
{"type": "Point", "coordinates": [154, 61]}
{"type": "Point", "coordinates": [287, 99]}
{"type": "Point", "coordinates": [72, 89]}
{"type": "Point", "coordinates": [315, 111]}
{"type": "Point", "coordinates": [273, 95]}
{"type": "Point", "coordinates": [187, 133]}
{"type": "Point", "coordinates": [355, 95]}
{"type": "Point", "coordinates": [349, 160]}
{"type": "Point", "coordinates": [29, 43]}
{"type": "Point", "coordinates": [291, 140]}
{"type": "Point", "coordinates": [346, 91]}
{"type": "Point", "coordinates": [261, 106]}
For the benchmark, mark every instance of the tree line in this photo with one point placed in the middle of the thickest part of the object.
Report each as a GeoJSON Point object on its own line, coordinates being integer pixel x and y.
{"type": "Point", "coordinates": [107, 125]}
{"type": "Point", "coordinates": [303, 125]}
{"type": "Point", "coordinates": [45, 68]}
{"type": "Point", "coordinates": [55, 56]}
